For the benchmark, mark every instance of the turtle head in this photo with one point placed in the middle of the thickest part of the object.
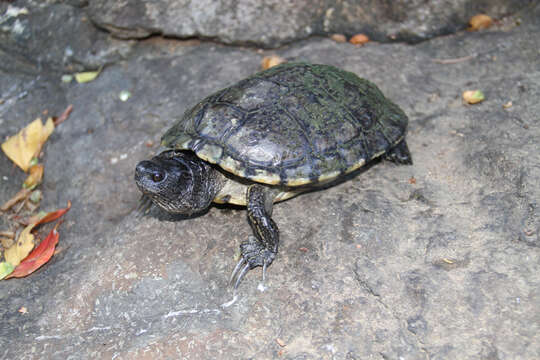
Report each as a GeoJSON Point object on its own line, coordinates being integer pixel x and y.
{"type": "Point", "coordinates": [177, 181]}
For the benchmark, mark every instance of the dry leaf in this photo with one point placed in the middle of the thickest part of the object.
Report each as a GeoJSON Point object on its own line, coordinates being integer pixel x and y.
{"type": "Point", "coordinates": [21, 195]}
{"type": "Point", "coordinates": [473, 96]}
{"type": "Point", "coordinates": [479, 22]}
{"type": "Point", "coordinates": [35, 197]}
{"type": "Point", "coordinates": [86, 76]}
{"type": "Point", "coordinates": [270, 61]}
{"type": "Point", "coordinates": [359, 39]}
{"type": "Point", "coordinates": [339, 38]}
{"type": "Point", "coordinates": [35, 177]}
{"type": "Point", "coordinates": [63, 117]}
{"type": "Point", "coordinates": [53, 215]}
{"type": "Point", "coordinates": [7, 234]}
{"type": "Point", "coordinates": [5, 269]}
{"type": "Point", "coordinates": [23, 246]}
{"type": "Point", "coordinates": [39, 256]}
{"type": "Point", "coordinates": [26, 144]}
{"type": "Point", "coordinates": [17, 253]}
{"type": "Point", "coordinates": [6, 242]}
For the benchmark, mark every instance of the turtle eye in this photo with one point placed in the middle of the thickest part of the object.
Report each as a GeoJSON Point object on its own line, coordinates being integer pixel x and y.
{"type": "Point", "coordinates": [157, 177]}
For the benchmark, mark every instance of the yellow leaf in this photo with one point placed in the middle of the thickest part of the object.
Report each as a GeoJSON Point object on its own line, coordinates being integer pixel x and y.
{"type": "Point", "coordinates": [27, 143]}
{"type": "Point", "coordinates": [473, 96]}
{"type": "Point", "coordinates": [25, 243]}
{"type": "Point", "coordinates": [35, 177]}
{"type": "Point", "coordinates": [5, 269]}
{"type": "Point", "coordinates": [271, 61]}
{"type": "Point", "coordinates": [86, 76]}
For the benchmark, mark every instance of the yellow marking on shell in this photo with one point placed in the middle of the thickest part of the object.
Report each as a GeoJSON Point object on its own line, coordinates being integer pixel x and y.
{"type": "Point", "coordinates": [298, 181]}
{"type": "Point", "coordinates": [233, 166]}
{"type": "Point", "coordinates": [266, 177]}
{"type": "Point", "coordinates": [232, 192]}
{"type": "Point", "coordinates": [231, 199]}
{"type": "Point", "coordinates": [379, 154]}
{"type": "Point", "coordinates": [211, 153]}
{"type": "Point", "coordinates": [356, 166]}
{"type": "Point", "coordinates": [329, 176]}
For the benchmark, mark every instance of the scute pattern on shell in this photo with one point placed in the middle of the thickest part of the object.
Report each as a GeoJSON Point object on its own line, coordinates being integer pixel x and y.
{"type": "Point", "coordinates": [293, 124]}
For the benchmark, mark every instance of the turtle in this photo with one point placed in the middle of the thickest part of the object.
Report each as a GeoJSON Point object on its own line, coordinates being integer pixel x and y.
{"type": "Point", "coordinates": [289, 129]}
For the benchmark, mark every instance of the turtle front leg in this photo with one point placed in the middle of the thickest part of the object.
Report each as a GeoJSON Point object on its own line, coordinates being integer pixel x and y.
{"type": "Point", "coordinates": [261, 249]}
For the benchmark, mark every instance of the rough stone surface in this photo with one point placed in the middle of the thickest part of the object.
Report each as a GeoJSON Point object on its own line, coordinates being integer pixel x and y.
{"type": "Point", "coordinates": [54, 36]}
{"type": "Point", "coordinates": [378, 267]}
{"type": "Point", "coordinates": [274, 23]}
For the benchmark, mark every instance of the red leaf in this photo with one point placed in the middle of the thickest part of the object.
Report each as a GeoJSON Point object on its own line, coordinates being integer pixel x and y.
{"type": "Point", "coordinates": [39, 256]}
{"type": "Point", "coordinates": [54, 215]}
{"type": "Point", "coordinates": [45, 250]}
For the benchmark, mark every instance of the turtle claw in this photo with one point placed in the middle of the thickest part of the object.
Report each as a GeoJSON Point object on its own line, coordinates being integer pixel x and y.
{"type": "Point", "coordinates": [264, 272]}
{"type": "Point", "coordinates": [241, 276]}
{"type": "Point", "coordinates": [236, 269]}
{"type": "Point", "coordinates": [253, 254]}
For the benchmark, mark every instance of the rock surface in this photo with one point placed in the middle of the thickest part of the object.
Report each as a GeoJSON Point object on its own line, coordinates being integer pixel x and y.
{"type": "Point", "coordinates": [274, 23]}
{"type": "Point", "coordinates": [439, 260]}
{"type": "Point", "coordinates": [55, 36]}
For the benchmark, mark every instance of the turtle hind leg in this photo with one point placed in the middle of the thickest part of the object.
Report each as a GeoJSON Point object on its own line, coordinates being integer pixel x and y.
{"type": "Point", "coordinates": [261, 249]}
{"type": "Point", "coordinates": [400, 154]}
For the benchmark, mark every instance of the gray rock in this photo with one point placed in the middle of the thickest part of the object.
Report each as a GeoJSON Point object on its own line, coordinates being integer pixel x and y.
{"type": "Point", "coordinates": [443, 267]}
{"type": "Point", "coordinates": [274, 23]}
{"type": "Point", "coordinates": [55, 36]}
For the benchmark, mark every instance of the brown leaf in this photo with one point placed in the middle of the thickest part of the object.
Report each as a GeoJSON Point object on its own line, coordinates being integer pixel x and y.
{"type": "Point", "coordinates": [63, 117]}
{"type": "Point", "coordinates": [359, 39]}
{"type": "Point", "coordinates": [8, 234]}
{"type": "Point", "coordinates": [339, 38]}
{"type": "Point", "coordinates": [35, 177]}
{"type": "Point", "coordinates": [271, 61]}
{"type": "Point", "coordinates": [21, 195]}
{"type": "Point", "coordinates": [480, 22]}
{"type": "Point", "coordinates": [6, 242]}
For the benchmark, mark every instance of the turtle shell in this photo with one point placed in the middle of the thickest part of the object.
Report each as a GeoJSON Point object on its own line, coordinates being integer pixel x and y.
{"type": "Point", "coordinates": [293, 124]}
